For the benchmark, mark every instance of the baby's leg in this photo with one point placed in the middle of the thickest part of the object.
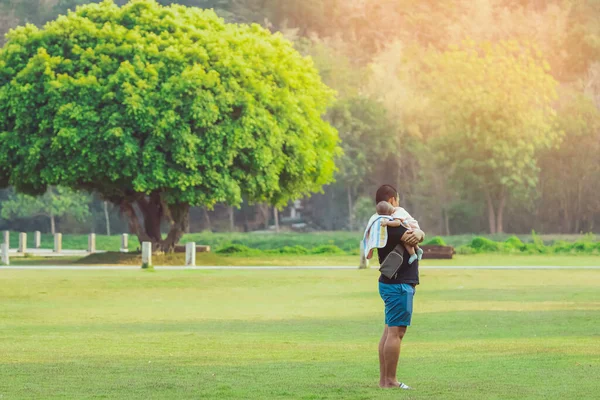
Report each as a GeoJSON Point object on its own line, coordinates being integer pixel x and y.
{"type": "Point", "coordinates": [411, 250]}
{"type": "Point", "coordinates": [419, 252]}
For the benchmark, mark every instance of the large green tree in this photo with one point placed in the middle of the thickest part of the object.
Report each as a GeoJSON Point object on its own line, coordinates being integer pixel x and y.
{"type": "Point", "coordinates": [159, 108]}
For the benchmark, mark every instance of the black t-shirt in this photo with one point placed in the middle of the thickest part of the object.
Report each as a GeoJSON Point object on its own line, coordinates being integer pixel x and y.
{"type": "Point", "coordinates": [408, 273]}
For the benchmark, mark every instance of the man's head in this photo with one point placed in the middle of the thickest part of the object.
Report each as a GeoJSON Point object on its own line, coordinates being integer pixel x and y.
{"type": "Point", "coordinates": [387, 193]}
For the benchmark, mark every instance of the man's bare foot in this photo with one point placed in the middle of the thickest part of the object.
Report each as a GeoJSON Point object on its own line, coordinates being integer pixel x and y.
{"type": "Point", "coordinates": [388, 385]}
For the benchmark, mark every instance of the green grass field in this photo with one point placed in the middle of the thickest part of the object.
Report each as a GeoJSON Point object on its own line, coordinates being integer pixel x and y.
{"type": "Point", "coordinates": [212, 259]}
{"type": "Point", "coordinates": [295, 334]}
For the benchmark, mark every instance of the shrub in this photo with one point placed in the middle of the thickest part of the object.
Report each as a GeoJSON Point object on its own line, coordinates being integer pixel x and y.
{"type": "Point", "coordinates": [483, 245]}
{"type": "Point", "coordinates": [236, 249]}
{"type": "Point", "coordinates": [293, 250]}
{"type": "Point", "coordinates": [465, 250]}
{"type": "Point", "coordinates": [513, 243]}
{"type": "Point", "coordinates": [327, 249]}
{"type": "Point", "coordinates": [435, 241]}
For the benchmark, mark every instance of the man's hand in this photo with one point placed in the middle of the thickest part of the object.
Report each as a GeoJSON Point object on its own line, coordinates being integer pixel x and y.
{"type": "Point", "coordinates": [413, 237]}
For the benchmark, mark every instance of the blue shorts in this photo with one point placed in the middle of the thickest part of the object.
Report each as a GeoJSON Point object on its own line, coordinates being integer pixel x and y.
{"type": "Point", "coordinates": [398, 299]}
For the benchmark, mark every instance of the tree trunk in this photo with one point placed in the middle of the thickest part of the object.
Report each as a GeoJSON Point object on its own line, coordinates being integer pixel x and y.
{"type": "Point", "coordinates": [106, 218]}
{"type": "Point", "coordinates": [446, 223]}
{"type": "Point", "coordinates": [231, 219]}
{"type": "Point", "coordinates": [265, 212]}
{"type": "Point", "coordinates": [153, 210]}
{"type": "Point", "coordinates": [178, 215]}
{"type": "Point", "coordinates": [500, 213]}
{"type": "Point", "coordinates": [276, 214]}
{"type": "Point", "coordinates": [207, 219]}
{"type": "Point", "coordinates": [350, 209]}
{"type": "Point", "coordinates": [52, 224]}
{"type": "Point", "coordinates": [491, 213]}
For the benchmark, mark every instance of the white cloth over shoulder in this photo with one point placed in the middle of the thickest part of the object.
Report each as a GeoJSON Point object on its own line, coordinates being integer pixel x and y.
{"type": "Point", "coordinates": [375, 236]}
{"type": "Point", "coordinates": [405, 217]}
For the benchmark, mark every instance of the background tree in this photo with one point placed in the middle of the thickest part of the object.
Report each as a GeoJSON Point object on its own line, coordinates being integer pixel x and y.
{"type": "Point", "coordinates": [106, 100]}
{"type": "Point", "coordinates": [494, 106]}
{"type": "Point", "coordinates": [367, 138]}
{"type": "Point", "coordinates": [57, 202]}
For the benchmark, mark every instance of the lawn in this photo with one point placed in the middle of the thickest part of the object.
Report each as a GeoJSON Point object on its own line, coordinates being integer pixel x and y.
{"type": "Point", "coordinates": [295, 334]}
{"type": "Point", "coordinates": [212, 259]}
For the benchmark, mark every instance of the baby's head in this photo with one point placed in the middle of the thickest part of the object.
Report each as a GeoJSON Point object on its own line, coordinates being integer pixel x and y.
{"type": "Point", "coordinates": [384, 208]}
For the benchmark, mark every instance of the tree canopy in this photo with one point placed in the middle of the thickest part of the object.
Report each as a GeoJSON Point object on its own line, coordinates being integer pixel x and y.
{"type": "Point", "coordinates": [163, 107]}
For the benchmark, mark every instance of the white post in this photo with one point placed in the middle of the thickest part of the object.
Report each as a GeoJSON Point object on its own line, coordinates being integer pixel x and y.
{"type": "Point", "coordinates": [190, 254]}
{"type": "Point", "coordinates": [38, 239]}
{"type": "Point", "coordinates": [124, 243]}
{"type": "Point", "coordinates": [364, 263]}
{"type": "Point", "coordinates": [57, 242]}
{"type": "Point", "coordinates": [146, 254]}
{"type": "Point", "coordinates": [92, 243]}
{"type": "Point", "coordinates": [5, 258]}
{"type": "Point", "coordinates": [22, 242]}
{"type": "Point", "coordinates": [7, 238]}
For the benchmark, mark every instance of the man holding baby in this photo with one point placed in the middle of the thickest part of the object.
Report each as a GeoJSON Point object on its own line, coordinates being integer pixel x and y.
{"type": "Point", "coordinates": [397, 292]}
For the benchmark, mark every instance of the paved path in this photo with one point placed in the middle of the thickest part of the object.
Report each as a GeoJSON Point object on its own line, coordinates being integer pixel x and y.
{"type": "Point", "coordinates": [112, 267]}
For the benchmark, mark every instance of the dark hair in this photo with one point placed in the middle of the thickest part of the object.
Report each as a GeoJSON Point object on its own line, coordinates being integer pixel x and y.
{"type": "Point", "coordinates": [385, 192]}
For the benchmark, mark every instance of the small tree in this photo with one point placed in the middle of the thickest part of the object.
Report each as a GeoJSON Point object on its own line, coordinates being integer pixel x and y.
{"type": "Point", "coordinates": [55, 203]}
{"type": "Point", "coordinates": [160, 108]}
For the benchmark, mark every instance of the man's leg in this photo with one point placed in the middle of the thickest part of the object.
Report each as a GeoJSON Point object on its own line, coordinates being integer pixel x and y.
{"type": "Point", "coordinates": [382, 358]}
{"type": "Point", "coordinates": [391, 354]}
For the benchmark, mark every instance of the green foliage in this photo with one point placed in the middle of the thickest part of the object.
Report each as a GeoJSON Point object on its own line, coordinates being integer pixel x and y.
{"type": "Point", "coordinates": [144, 98]}
{"type": "Point", "coordinates": [236, 249]}
{"type": "Point", "coordinates": [435, 241]}
{"type": "Point", "coordinates": [495, 112]}
{"type": "Point", "coordinates": [359, 121]}
{"type": "Point", "coordinates": [514, 243]}
{"type": "Point", "coordinates": [363, 210]}
{"type": "Point", "coordinates": [327, 249]}
{"type": "Point", "coordinates": [239, 249]}
{"type": "Point", "coordinates": [56, 202]}
{"type": "Point", "coordinates": [297, 249]}
{"type": "Point", "coordinates": [585, 245]}
{"type": "Point", "coordinates": [483, 245]}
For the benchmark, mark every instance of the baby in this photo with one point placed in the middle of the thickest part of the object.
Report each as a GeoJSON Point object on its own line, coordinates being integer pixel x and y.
{"type": "Point", "coordinates": [400, 218]}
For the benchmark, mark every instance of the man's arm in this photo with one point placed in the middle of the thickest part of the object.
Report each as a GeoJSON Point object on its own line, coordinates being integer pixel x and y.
{"type": "Point", "coordinates": [413, 237]}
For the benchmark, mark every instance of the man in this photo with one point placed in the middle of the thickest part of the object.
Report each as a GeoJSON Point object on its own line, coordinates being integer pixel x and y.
{"type": "Point", "coordinates": [397, 294]}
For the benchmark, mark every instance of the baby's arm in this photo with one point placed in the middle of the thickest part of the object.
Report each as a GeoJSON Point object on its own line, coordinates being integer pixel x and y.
{"type": "Point", "coordinates": [391, 223]}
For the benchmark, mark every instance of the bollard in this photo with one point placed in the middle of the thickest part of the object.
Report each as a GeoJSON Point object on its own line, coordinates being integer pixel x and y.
{"type": "Point", "coordinates": [124, 243]}
{"type": "Point", "coordinates": [190, 254]}
{"type": "Point", "coordinates": [364, 263]}
{"type": "Point", "coordinates": [5, 258]}
{"type": "Point", "coordinates": [57, 242]}
{"type": "Point", "coordinates": [22, 242]}
{"type": "Point", "coordinates": [92, 243]}
{"type": "Point", "coordinates": [146, 255]}
{"type": "Point", "coordinates": [37, 239]}
{"type": "Point", "coordinates": [7, 238]}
